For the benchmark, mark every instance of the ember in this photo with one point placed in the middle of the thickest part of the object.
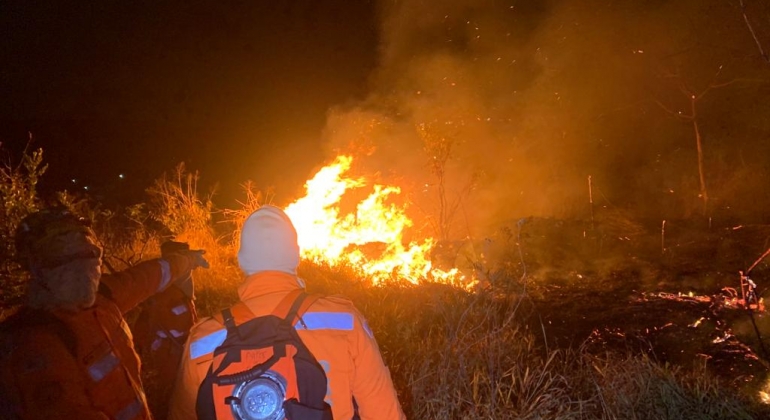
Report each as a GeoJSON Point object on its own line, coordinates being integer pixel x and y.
{"type": "Point", "coordinates": [728, 299]}
{"type": "Point", "coordinates": [370, 239]}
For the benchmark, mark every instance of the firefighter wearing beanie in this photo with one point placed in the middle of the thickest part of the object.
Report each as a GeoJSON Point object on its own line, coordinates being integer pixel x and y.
{"type": "Point", "coordinates": [358, 382]}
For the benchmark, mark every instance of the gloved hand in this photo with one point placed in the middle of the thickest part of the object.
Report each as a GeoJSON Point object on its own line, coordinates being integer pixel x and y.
{"type": "Point", "coordinates": [195, 257]}
{"type": "Point", "coordinates": [182, 257]}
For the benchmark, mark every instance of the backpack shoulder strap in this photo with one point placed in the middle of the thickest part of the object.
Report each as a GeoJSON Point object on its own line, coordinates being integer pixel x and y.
{"type": "Point", "coordinates": [284, 307]}
{"type": "Point", "coordinates": [290, 308]}
{"type": "Point", "coordinates": [299, 306]}
{"type": "Point", "coordinates": [237, 314]}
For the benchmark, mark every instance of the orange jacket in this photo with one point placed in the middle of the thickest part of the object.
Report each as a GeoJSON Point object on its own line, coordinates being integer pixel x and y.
{"type": "Point", "coordinates": [85, 366]}
{"type": "Point", "coordinates": [332, 329]}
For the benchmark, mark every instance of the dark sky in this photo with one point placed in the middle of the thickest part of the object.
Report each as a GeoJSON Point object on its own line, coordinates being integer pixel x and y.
{"type": "Point", "coordinates": [531, 98]}
{"type": "Point", "coordinates": [236, 89]}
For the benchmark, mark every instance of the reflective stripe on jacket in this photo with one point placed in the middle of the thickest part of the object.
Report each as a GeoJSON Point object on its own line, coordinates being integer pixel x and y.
{"type": "Point", "coordinates": [41, 377]}
{"type": "Point", "coordinates": [332, 329]}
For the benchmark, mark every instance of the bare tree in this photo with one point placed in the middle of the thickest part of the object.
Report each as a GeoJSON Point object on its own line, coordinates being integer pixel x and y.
{"type": "Point", "coordinates": [438, 147]}
{"type": "Point", "coordinates": [694, 97]}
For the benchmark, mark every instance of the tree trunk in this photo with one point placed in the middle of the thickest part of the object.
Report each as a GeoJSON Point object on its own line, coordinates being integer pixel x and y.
{"type": "Point", "coordinates": [698, 142]}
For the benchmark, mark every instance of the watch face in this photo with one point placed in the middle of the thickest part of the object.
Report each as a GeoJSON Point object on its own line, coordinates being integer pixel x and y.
{"type": "Point", "coordinates": [260, 399]}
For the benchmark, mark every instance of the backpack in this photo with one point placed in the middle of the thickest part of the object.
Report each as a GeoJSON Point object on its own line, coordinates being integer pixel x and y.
{"type": "Point", "coordinates": [263, 370]}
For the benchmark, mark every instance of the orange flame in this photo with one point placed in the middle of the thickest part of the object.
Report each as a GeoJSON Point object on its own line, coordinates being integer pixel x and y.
{"type": "Point", "coordinates": [326, 235]}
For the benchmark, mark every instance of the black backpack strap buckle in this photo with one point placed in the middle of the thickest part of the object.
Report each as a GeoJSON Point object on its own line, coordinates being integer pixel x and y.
{"type": "Point", "coordinates": [229, 321]}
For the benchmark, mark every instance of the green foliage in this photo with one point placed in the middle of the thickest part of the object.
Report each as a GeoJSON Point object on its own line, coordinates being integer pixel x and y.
{"type": "Point", "coordinates": [177, 211]}
{"type": "Point", "coordinates": [128, 236]}
{"type": "Point", "coordinates": [18, 188]}
{"type": "Point", "coordinates": [175, 203]}
{"type": "Point", "coordinates": [18, 183]}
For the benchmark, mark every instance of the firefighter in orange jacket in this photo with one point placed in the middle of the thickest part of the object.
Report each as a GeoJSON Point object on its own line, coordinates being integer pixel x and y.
{"type": "Point", "coordinates": [358, 382]}
{"type": "Point", "coordinates": [68, 352]}
{"type": "Point", "coordinates": [162, 327]}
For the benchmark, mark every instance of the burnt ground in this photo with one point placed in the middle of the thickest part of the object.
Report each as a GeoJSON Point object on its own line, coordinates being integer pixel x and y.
{"type": "Point", "coordinates": [623, 285]}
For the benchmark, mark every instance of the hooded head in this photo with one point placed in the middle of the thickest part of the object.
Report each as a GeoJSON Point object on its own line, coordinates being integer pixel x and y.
{"type": "Point", "coordinates": [268, 242]}
{"type": "Point", "coordinates": [62, 254]}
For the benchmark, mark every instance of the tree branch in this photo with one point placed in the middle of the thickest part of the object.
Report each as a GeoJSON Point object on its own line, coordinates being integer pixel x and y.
{"type": "Point", "coordinates": [672, 112]}
{"type": "Point", "coordinates": [754, 35]}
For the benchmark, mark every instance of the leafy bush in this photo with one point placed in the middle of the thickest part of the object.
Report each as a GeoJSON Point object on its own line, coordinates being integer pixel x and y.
{"type": "Point", "coordinates": [18, 183]}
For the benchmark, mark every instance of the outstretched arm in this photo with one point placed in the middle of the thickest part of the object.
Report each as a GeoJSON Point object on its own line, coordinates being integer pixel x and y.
{"type": "Point", "coordinates": [132, 286]}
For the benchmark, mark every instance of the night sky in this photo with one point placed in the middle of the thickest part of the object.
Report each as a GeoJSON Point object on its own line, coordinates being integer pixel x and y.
{"type": "Point", "coordinates": [236, 90]}
{"type": "Point", "coordinates": [533, 97]}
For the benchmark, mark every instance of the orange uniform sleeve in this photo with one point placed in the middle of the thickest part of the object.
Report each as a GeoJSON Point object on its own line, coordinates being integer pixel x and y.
{"type": "Point", "coordinates": [132, 286]}
{"type": "Point", "coordinates": [372, 385]}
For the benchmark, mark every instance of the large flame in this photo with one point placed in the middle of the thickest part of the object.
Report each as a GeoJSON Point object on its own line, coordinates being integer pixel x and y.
{"type": "Point", "coordinates": [326, 235]}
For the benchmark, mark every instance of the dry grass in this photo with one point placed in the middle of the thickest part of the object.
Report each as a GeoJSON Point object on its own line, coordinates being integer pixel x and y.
{"type": "Point", "coordinates": [452, 354]}
{"type": "Point", "coordinates": [460, 355]}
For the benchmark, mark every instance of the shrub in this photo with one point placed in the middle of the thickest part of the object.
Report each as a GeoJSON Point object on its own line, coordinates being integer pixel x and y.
{"type": "Point", "coordinates": [18, 183]}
